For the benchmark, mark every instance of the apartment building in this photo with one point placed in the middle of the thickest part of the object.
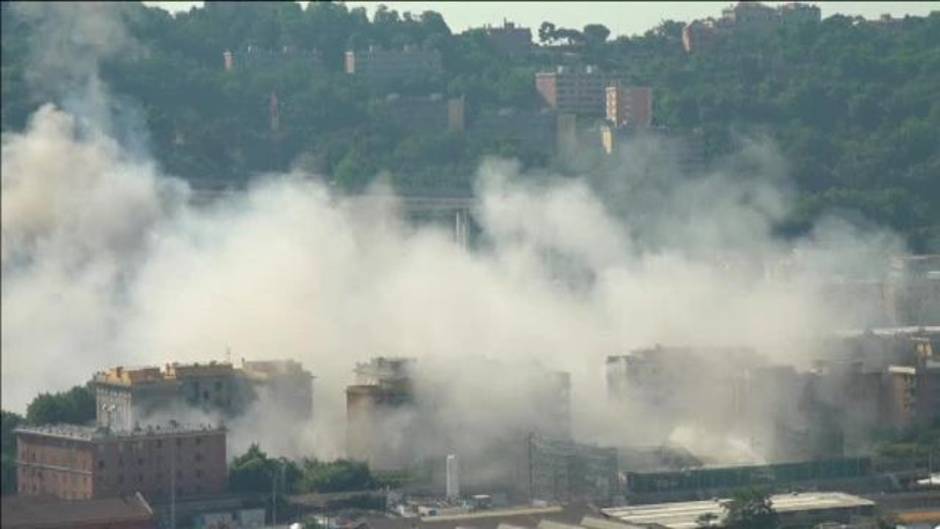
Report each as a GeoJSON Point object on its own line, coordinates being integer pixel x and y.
{"type": "Point", "coordinates": [579, 91]}
{"type": "Point", "coordinates": [130, 397]}
{"type": "Point", "coordinates": [82, 462]}
{"type": "Point", "coordinates": [380, 66]}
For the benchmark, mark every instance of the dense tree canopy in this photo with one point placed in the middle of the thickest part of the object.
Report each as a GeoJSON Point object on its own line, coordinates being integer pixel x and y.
{"type": "Point", "coordinates": [254, 471]}
{"type": "Point", "coordinates": [75, 406]}
{"type": "Point", "coordinates": [851, 104]}
{"type": "Point", "coordinates": [750, 509]}
{"type": "Point", "coordinates": [9, 423]}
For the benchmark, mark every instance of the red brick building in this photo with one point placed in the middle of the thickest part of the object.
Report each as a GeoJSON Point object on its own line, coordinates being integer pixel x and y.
{"type": "Point", "coordinates": [46, 512]}
{"type": "Point", "coordinates": [574, 91]}
{"type": "Point", "coordinates": [79, 462]}
{"type": "Point", "coordinates": [630, 106]}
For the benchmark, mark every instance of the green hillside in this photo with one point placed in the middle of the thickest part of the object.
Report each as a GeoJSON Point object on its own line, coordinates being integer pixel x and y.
{"type": "Point", "coordinates": [852, 105]}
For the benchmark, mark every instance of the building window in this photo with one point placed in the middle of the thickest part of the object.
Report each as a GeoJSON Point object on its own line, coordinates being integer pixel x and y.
{"type": "Point", "coordinates": [179, 442]}
{"type": "Point", "coordinates": [198, 440]}
{"type": "Point", "coordinates": [198, 457]}
{"type": "Point", "coordinates": [198, 473]}
{"type": "Point", "coordinates": [159, 443]}
{"type": "Point", "coordinates": [140, 461]}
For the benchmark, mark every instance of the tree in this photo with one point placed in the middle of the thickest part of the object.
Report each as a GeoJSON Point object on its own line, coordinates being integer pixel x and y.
{"type": "Point", "coordinates": [336, 476]}
{"type": "Point", "coordinates": [250, 472]}
{"type": "Point", "coordinates": [75, 406]}
{"type": "Point", "coordinates": [750, 509]}
{"type": "Point", "coordinates": [546, 32]}
{"type": "Point", "coordinates": [669, 29]}
{"type": "Point", "coordinates": [254, 471]}
{"type": "Point", "coordinates": [596, 34]}
{"type": "Point", "coordinates": [708, 519]}
{"type": "Point", "coordinates": [862, 141]}
{"type": "Point", "coordinates": [434, 23]}
{"type": "Point", "coordinates": [8, 470]}
{"type": "Point", "coordinates": [572, 37]}
{"type": "Point", "coordinates": [10, 421]}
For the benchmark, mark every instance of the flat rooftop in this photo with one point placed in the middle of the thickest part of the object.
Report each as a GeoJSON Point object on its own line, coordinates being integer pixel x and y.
{"type": "Point", "coordinates": [521, 516]}
{"type": "Point", "coordinates": [494, 513]}
{"type": "Point", "coordinates": [95, 433]}
{"type": "Point", "coordinates": [683, 515]}
{"type": "Point", "coordinates": [174, 372]}
{"type": "Point", "coordinates": [890, 331]}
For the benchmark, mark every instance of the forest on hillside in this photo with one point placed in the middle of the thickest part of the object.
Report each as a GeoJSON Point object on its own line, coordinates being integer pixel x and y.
{"type": "Point", "coordinates": [852, 105]}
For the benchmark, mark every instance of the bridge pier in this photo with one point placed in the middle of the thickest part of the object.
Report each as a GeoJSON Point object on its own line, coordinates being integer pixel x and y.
{"type": "Point", "coordinates": [462, 227]}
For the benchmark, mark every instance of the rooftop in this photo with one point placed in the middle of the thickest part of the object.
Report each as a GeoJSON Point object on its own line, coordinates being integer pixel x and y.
{"type": "Point", "coordinates": [521, 516]}
{"type": "Point", "coordinates": [683, 515]}
{"type": "Point", "coordinates": [383, 368]}
{"type": "Point", "coordinates": [495, 513]}
{"type": "Point", "coordinates": [173, 372]}
{"type": "Point", "coordinates": [94, 433]}
{"type": "Point", "coordinates": [38, 511]}
{"type": "Point", "coordinates": [265, 369]}
{"type": "Point", "coordinates": [902, 370]}
{"type": "Point", "coordinates": [890, 331]}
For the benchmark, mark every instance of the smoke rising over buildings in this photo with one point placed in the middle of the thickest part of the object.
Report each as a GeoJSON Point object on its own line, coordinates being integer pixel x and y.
{"type": "Point", "coordinates": [106, 261]}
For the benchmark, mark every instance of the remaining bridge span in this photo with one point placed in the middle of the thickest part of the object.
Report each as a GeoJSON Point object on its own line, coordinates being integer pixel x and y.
{"type": "Point", "coordinates": [414, 203]}
{"type": "Point", "coordinates": [458, 206]}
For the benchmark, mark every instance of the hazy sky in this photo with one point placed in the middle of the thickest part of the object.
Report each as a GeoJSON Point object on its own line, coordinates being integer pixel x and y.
{"type": "Point", "coordinates": [620, 17]}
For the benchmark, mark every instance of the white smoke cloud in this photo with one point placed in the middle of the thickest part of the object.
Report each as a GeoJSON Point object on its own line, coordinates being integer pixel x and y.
{"type": "Point", "coordinates": [69, 43]}
{"type": "Point", "coordinates": [107, 262]}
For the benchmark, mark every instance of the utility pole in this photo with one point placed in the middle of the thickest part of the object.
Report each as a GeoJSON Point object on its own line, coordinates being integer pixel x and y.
{"type": "Point", "coordinates": [274, 498]}
{"type": "Point", "coordinates": [930, 467]}
{"type": "Point", "coordinates": [274, 494]}
{"type": "Point", "coordinates": [173, 484]}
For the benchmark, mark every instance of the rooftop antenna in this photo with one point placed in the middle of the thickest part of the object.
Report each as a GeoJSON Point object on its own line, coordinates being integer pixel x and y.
{"type": "Point", "coordinates": [228, 354]}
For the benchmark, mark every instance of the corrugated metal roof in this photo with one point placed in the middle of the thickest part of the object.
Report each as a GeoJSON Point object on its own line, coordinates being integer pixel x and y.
{"type": "Point", "coordinates": [682, 515]}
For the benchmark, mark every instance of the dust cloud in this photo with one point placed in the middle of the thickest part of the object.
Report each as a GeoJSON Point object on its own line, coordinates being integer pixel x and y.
{"type": "Point", "coordinates": [106, 261]}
